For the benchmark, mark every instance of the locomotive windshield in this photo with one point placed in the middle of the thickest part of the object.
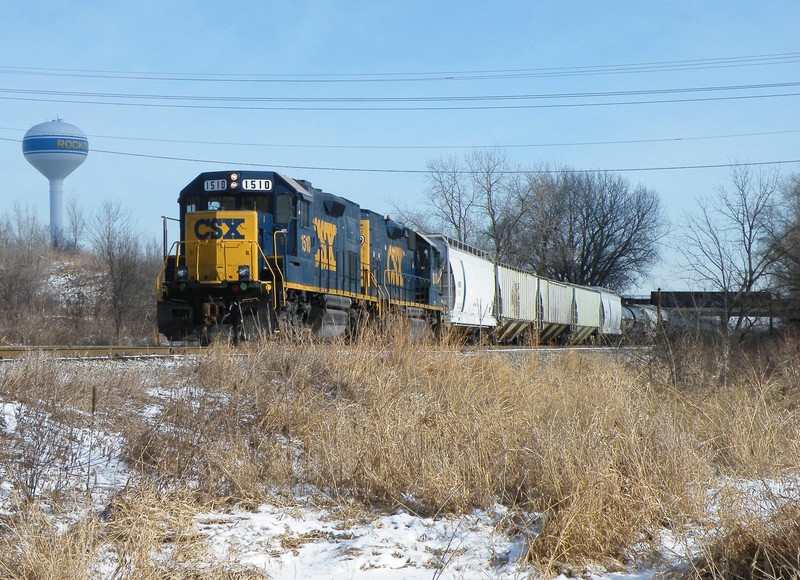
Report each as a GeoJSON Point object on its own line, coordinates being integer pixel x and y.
{"type": "Point", "coordinates": [221, 202]}
{"type": "Point", "coordinates": [259, 203]}
{"type": "Point", "coordinates": [228, 202]}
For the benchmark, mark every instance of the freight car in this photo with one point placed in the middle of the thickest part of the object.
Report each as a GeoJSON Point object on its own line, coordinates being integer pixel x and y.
{"type": "Point", "coordinates": [262, 253]}
{"type": "Point", "coordinates": [505, 304]}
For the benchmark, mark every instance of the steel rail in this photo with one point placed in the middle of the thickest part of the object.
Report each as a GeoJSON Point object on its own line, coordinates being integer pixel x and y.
{"type": "Point", "coordinates": [93, 351]}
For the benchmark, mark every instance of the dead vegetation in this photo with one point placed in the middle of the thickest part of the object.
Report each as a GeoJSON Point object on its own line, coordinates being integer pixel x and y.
{"type": "Point", "coordinates": [594, 457]}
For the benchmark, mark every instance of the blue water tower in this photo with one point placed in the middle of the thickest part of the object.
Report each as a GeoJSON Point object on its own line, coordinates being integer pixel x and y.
{"type": "Point", "coordinates": [56, 149]}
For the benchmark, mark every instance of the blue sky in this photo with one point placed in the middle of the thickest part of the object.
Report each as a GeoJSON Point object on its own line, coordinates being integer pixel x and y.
{"type": "Point", "coordinates": [142, 152]}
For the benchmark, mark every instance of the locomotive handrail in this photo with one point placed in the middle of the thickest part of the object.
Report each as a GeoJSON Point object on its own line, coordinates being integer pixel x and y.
{"type": "Point", "coordinates": [418, 282]}
{"type": "Point", "coordinates": [275, 277]}
{"type": "Point", "coordinates": [275, 256]}
{"type": "Point", "coordinates": [383, 295]}
{"type": "Point", "coordinates": [160, 279]}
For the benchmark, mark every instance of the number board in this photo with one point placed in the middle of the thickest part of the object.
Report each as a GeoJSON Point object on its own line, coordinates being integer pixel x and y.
{"type": "Point", "coordinates": [215, 185]}
{"type": "Point", "coordinates": [257, 184]}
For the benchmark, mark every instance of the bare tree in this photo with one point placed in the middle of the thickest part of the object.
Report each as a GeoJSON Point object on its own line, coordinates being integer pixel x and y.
{"type": "Point", "coordinates": [787, 271]}
{"type": "Point", "coordinates": [536, 231]}
{"type": "Point", "coordinates": [590, 228]}
{"type": "Point", "coordinates": [501, 194]}
{"type": "Point", "coordinates": [735, 242]}
{"type": "Point", "coordinates": [128, 268]}
{"type": "Point", "coordinates": [479, 200]}
{"type": "Point", "coordinates": [587, 228]}
{"type": "Point", "coordinates": [24, 259]}
{"type": "Point", "coordinates": [76, 226]}
{"type": "Point", "coordinates": [453, 202]}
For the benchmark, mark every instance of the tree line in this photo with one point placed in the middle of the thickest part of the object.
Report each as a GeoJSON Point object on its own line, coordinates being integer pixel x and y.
{"type": "Point", "coordinates": [592, 228]}
{"type": "Point", "coordinates": [597, 228]}
{"type": "Point", "coordinates": [98, 286]}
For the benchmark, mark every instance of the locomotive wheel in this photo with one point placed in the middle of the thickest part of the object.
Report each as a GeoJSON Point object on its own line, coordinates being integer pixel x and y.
{"type": "Point", "coordinates": [292, 326]}
{"type": "Point", "coordinates": [255, 325]}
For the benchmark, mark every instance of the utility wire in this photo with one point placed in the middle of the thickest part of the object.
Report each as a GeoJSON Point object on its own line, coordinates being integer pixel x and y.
{"type": "Point", "coordinates": [424, 171]}
{"type": "Point", "coordinates": [417, 76]}
{"type": "Point", "coordinates": [418, 99]}
{"type": "Point", "coordinates": [463, 172]}
{"type": "Point", "coordinates": [399, 109]}
{"type": "Point", "coordinates": [424, 147]}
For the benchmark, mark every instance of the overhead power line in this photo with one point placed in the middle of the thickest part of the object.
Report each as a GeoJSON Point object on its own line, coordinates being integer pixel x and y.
{"type": "Point", "coordinates": [417, 76]}
{"type": "Point", "coordinates": [423, 147]}
{"type": "Point", "coordinates": [413, 99]}
{"type": "Point", "coordinates": [435, 147]}
{"type": "Point", "coordinates": [399, 108]}
{"type": "Point", "coordinates": [424, 171]}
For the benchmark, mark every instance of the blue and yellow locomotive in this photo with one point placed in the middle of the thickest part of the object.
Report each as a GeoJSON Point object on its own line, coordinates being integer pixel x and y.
{"type": "Point", "coordinates": [262, 253]}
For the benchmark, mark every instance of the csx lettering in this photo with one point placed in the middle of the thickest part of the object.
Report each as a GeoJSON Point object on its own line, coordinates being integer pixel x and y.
{"type": "Point", "coordinates": [218, 229]}
{"type": "Point", "coordinates": [326, 232]}
{"type": "Point", "coordinates": [394, 266]}
{"type": "Point", "coordinates": [72, 144]}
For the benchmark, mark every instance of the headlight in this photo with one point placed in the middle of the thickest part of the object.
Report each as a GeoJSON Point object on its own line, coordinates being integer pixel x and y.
{"type": "Point", "coordinates": [181, 273]}
{"type": "Point", "coordinates": [244, 273]}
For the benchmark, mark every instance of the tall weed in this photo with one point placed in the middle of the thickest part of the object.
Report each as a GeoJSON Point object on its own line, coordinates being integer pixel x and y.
{"type": "Point", "coordinates": [607, 452]}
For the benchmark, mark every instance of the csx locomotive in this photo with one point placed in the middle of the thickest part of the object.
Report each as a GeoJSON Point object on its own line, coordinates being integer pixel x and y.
{"type": "Point", "coordinates": [262, 253]}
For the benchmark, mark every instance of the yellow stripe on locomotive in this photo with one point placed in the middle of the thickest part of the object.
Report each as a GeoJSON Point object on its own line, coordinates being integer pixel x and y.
{"type": "Point", "coordinates": [365, 249]}
{"type": "Point", "coordinates": [219, 244]}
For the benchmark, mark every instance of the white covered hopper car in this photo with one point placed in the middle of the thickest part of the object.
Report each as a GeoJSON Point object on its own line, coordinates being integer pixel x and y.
{"type": "Point", "coordinates": [512, 305]}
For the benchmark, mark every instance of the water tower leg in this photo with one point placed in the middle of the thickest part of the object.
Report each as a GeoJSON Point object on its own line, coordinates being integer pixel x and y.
{"type": "Point", "coordinates": [56, 212]}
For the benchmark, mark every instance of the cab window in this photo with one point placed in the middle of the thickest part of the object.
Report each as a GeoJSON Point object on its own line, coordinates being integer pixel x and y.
{"type": "Point", "coordinates": [221, 203]}
{"type": "Point", "coordinates": [284, 206]}
{"type": "Point", "coordinates": [258, 203]}
{"type": "Point", "coordinates": [191, 204]}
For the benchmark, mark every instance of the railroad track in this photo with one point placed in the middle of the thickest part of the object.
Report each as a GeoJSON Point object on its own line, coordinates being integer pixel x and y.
{"type": "Point", "coordinates": [128, 352]}
{"type": "Point", "coordinates": [104, 352]}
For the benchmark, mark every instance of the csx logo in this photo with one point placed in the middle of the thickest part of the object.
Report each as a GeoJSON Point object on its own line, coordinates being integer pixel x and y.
{"type": "Point", "coordinates": [218, 229]}
{"type": "Point", "coordinates": [394, 266]}
{"type": "Point", "coordinates": [326, 256]}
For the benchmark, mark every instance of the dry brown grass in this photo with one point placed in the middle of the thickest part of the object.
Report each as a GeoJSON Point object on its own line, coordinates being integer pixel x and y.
{"type": "Point", "coordinates": [752, 543]}
{"type": "Point", "coordinates": [608, 452]}
{"type": "Point", "coordinates": [32, 546]}
{"type": "Point", "coordinates": [592, 445]}
{"type": "Point", "coordinates": [145, 533]}
{"type": "Point", "coordinates": [613, 463]}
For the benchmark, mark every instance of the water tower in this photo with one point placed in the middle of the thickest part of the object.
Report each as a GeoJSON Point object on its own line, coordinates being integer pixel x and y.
{"type": "Point", "coordinates": [56, 149]}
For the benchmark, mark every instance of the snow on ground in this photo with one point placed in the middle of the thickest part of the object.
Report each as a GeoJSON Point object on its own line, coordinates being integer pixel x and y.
{"type": "Point", "coordinates": [303, 542]}
{"type": "Point", "coordinates": [81, 458]}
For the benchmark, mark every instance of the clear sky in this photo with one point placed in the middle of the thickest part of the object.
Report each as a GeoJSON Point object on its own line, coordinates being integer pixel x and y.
{"type": "Point", "coordinates": [357, 96]}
